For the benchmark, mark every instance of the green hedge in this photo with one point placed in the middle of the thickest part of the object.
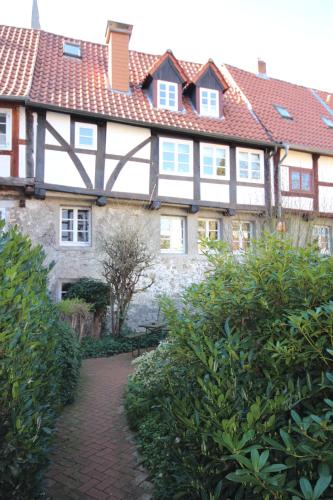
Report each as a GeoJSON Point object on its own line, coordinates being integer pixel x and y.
{"type": "Point", "coordinates": [39, 366]}
{"type": "Point", "coordinates": [239, 405]}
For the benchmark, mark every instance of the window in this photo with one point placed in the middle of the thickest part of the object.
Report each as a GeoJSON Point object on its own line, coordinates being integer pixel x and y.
{"type": "Point", "coordinates": [172, 234]}
{"type": "Point", "coordinates": [283, 112]}
{"type": "Point", "coordinates": [209, 102]}
{"type": "Point", "coordinates": [167, 95]}
{"type": "Point", "coordinates": [250, 166]}
{"type": "Point", "coordinates": [322, 236]}
{"type": "Point", "coordinates": [5, 129]}
{"type": "Point", "coordinates": [241, 236]}
{"type": "Point", "coordinates": [328, 121]}
{"type": "Point", "coordinates": [85, 135]}
{"type": "Point", "coordinates": [3, 217]}
{"type": "Point", "coordinates": [300, 180]}
{"type": "Point", "coordinates": [208, 229]}
{"type": "Point", "coordinates": [75, 226]}
{"type": "Point", "coordinates": [72, 49]}
{"type": "Point", "coordinates": [64, 289]}
{"type": "Point", "coordinates": [176, 157]}
{"type": "Point", "coordinates": [214, 161]}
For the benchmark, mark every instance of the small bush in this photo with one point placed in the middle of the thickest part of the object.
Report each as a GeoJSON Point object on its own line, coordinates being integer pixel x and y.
{"type": "Point", "coordinates": [70, 307]}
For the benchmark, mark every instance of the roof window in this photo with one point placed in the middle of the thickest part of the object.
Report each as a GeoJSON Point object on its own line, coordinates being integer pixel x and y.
{"type": "Point", "coordinates": [328, 121]}
{"type": "Point", "coordinates": [72, 49]}
{"type": "Point", "coordinates": [283, 112]}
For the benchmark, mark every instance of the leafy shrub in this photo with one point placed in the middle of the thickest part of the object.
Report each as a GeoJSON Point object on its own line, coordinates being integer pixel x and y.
{"type": "Point", "coordinates": [244, 404]}
{"type": "Point", "coordinates": [69, 307]}
{"type": "Point", "coordinates": [38, 366]}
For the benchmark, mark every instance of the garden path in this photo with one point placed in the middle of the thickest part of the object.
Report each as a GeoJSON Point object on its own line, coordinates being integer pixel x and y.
{"type": "Point", "coordinates": [94, 455]}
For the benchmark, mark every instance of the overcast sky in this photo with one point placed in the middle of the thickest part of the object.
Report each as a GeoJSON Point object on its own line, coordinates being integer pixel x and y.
{"type": "Point", "coordinates": [294, 37]}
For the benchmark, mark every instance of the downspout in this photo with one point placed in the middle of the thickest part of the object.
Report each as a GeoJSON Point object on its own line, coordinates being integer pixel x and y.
{"type": "Point", "coordinates": [279, 183]}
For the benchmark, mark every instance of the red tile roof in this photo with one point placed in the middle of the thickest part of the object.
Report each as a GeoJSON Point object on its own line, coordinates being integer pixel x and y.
{"type": "Point", "coordinates": [306, 130]}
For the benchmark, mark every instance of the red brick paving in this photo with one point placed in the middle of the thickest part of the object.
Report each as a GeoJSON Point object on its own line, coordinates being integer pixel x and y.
{"type": "Point", "coordinates": [94, 455]}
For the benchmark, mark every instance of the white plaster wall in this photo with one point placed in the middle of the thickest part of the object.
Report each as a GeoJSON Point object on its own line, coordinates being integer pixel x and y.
{"type": "Point", "coordinates": [297, 202]}
{"type": "Point", "coordinates": [4, 166]}
{"type": "Point", "coordinates": [325, 169]}
{"type": "Point", "coordinates": [110, 165]}
{"type": "Point", "coordinates": [22, 161]}
{"type": "Point", "coordinates": [214, 192]}
{"type": "Point", "coordinates": [271, 166]}
{"type": "Point", "coordinates": [247, 195]}
{"type": "Point", "coordinates": [133, 178]}
{"type": "Point", "coordinates": [120, 139]}
{"type": "Point", "coordinates": [325, 199]}
{"type": "Point", "coordinates": [89, 163]}
{"type": "Point", "coordinates": [285, 178]}
{"type": "Point", "coordinates": [59, 169]}
{"type": "Point", "coordinates": [62, 124]}
{"type": "Point", "coordinates": [22, 129]}
{"type": "Point", "coordinates": [297, 159]}
{"type": "Point", "coordinates": [175, 188]}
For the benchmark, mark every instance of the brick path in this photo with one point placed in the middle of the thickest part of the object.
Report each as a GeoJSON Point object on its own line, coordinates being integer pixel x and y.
{"type": "Point", "coordinates": [94, 455]}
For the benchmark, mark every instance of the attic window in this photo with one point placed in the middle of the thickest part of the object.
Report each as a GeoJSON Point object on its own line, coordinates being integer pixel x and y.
{"type": "Point", "coordinates": [328, 121]}
{"type": "Point", "coordinates": [72, 50]}
{"type": "Point", "coordinates": [283, 112]}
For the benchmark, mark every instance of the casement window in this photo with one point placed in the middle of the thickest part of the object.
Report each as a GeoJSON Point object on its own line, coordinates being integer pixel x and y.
{"type": "Point", "coordinates": [75, 226]}
{"type": "Point", "coordinates": [167, 95]}
{"type": "Point", "coordinates": [176, 157]}
{"type": "Point", "coordinates": [214, 161]}
{"type": "Point", "coordinates": [300, 180]}
{"type": "Point", "coordinates": [85, 135]}
{"type": "Point", "coordinates": [72, 49]}
{"type": "Point", "coordinates": [5, 129]}
{"type": "Point", "coordinates": [172, 235]}
{"type": "Point", "coordinates": [208, 229]}
{"type": "Point", "coordinates": [242, 235]}
{"type": "Point", "coordinates": [209, 102]}
{"type": "Point", "coordinates": [323, 238]}
{"type": "Point", "coordinates": [250, 166]}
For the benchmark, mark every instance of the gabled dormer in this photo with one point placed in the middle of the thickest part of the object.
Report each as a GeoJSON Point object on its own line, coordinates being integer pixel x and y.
{"type": "Point", "coordinates": [164, 83]}
{"type": "Point", "coordinates": [206, 90]}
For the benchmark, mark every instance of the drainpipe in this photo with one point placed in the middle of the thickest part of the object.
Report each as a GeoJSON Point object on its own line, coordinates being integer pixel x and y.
{"type": "Point", "coordinates": [279, 197]}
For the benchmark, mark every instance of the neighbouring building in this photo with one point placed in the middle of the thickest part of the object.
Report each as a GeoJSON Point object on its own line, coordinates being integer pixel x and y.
{"type": "Point", "coordinates": [87, 129]}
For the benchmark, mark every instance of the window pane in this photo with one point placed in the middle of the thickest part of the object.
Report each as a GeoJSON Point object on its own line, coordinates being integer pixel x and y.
{"type": "Point", "coordinates": [322, 236]}
{"type": "Point", "coordinates": [82, 236]}
{"type": "Point", "coordinates": [2, 128]}
{"type": "Point", "coordinates": [295, 181]}
{"type": "Point", "coordinates": [306, 182]}
{"type": "Point", "coordinates": [3, 139]}
{"type": "Point", "coordinates": [172, 234]}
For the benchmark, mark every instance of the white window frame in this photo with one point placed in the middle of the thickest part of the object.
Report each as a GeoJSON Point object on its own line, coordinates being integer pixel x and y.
{"type": "Point", "coordinates": [316, 236]}
{"type": "Point", "coordinates": [91, 126]}
{"type": "Point", "coordinates": [214, 113]}
{"type": "Point", "coordinates": [75, 242]}
{"type": "Point", "coordinates": [207, 220]}
{"type": "Point", "coordinates": [176, 142]}
{"type": "Point", "coordinates": [8, 138]}
{"type": "Point", "coordinates": [173, 250]}
{"type": "Point", "coordinates": [225, 177]}
{"type": "Point", "coordinates": [241, 250]}
{"type": "Point", "coordinates": [261, 179]}
{"type": "Point", "coordinates": [168, 86]}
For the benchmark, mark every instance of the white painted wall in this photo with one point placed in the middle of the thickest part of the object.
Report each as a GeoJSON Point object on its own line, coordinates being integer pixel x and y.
{"type": "Point", "coordinates": [22, 161]}
{"type": "Point", "coordinates": [4, 166]}
{"type": "Point", "coordinates": [271, 166]}
{"type": "Point", "coordinates": [59, 169]}
{"type": "Point", "coordinates": [297, 159]}
{"type": "Point", "coordinates": [247, 195]}
{"type": "Point", "coordinates": [214, 192]}
{"type": "Point", "coordinates": [110, 165]}
{"type": "Point", "coordinates": [62, 124]}
{"type": "Point", "coordinates": [89, 163]}
{"type": "Point", "coordinates": [120, 139]}
{"type": "Point", "coordinates": [285, 178]}
{"type": "Point", "coordinates": [325, 169]}
{"type": "Point", "coordinates": [22, 129]}
{"type": "Point", "coordinates": [325, 199]}
{"type": "Point", "coordinates": [175, 188]}
{"type": "Point", "coordinates": [297, 202]}
{"type": "Point", "coordinates": [133, 178]}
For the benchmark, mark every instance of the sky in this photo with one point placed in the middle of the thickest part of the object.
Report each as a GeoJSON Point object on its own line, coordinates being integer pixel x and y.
{"type": "Point", "coordinates": [294, 37]}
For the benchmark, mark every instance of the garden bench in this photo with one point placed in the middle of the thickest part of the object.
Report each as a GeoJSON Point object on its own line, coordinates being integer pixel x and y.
{"type": "Point", "coordinates": [149, 328]}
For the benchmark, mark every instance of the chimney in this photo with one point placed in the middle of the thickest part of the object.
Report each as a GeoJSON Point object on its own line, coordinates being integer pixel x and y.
{"type": "Point", "coordinates": [117, 38]}
{"type": "Point", "coordinates": [262, 68]}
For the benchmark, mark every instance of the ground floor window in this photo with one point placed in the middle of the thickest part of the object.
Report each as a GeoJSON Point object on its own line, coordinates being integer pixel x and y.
{"type": "Point", "coordinates": [242, 235]}
{"type": "Point", "coordinates": [208, 229]}
{"type": "Point", "coordinates": [172, 234]}
{"type": "Point", "coordinates": [75, 226]}
{"type": "Point", "coordinates": [322, 236]}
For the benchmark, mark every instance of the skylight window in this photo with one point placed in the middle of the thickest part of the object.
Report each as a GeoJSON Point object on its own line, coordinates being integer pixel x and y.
{"type": "Point", "coordinates": [72, 49]}
{"type": "Point", "coordinates": [283, 112]}
{"type": "Point", "coordinates": [328, 121]}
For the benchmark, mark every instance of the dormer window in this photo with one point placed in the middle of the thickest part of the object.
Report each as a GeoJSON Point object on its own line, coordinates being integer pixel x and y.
{"type": "Point", "coordinates": [167, 95]}
{"type": "Point", "coordinates": [283, 112]}
{"type": "Point", "coordinates": [209, 102]}
{"type": "Point", "coordinates": [72, 49]}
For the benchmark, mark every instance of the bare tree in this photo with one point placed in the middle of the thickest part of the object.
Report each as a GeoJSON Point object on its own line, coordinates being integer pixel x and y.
{"type": "Point", "coordinates": [126, 258]}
